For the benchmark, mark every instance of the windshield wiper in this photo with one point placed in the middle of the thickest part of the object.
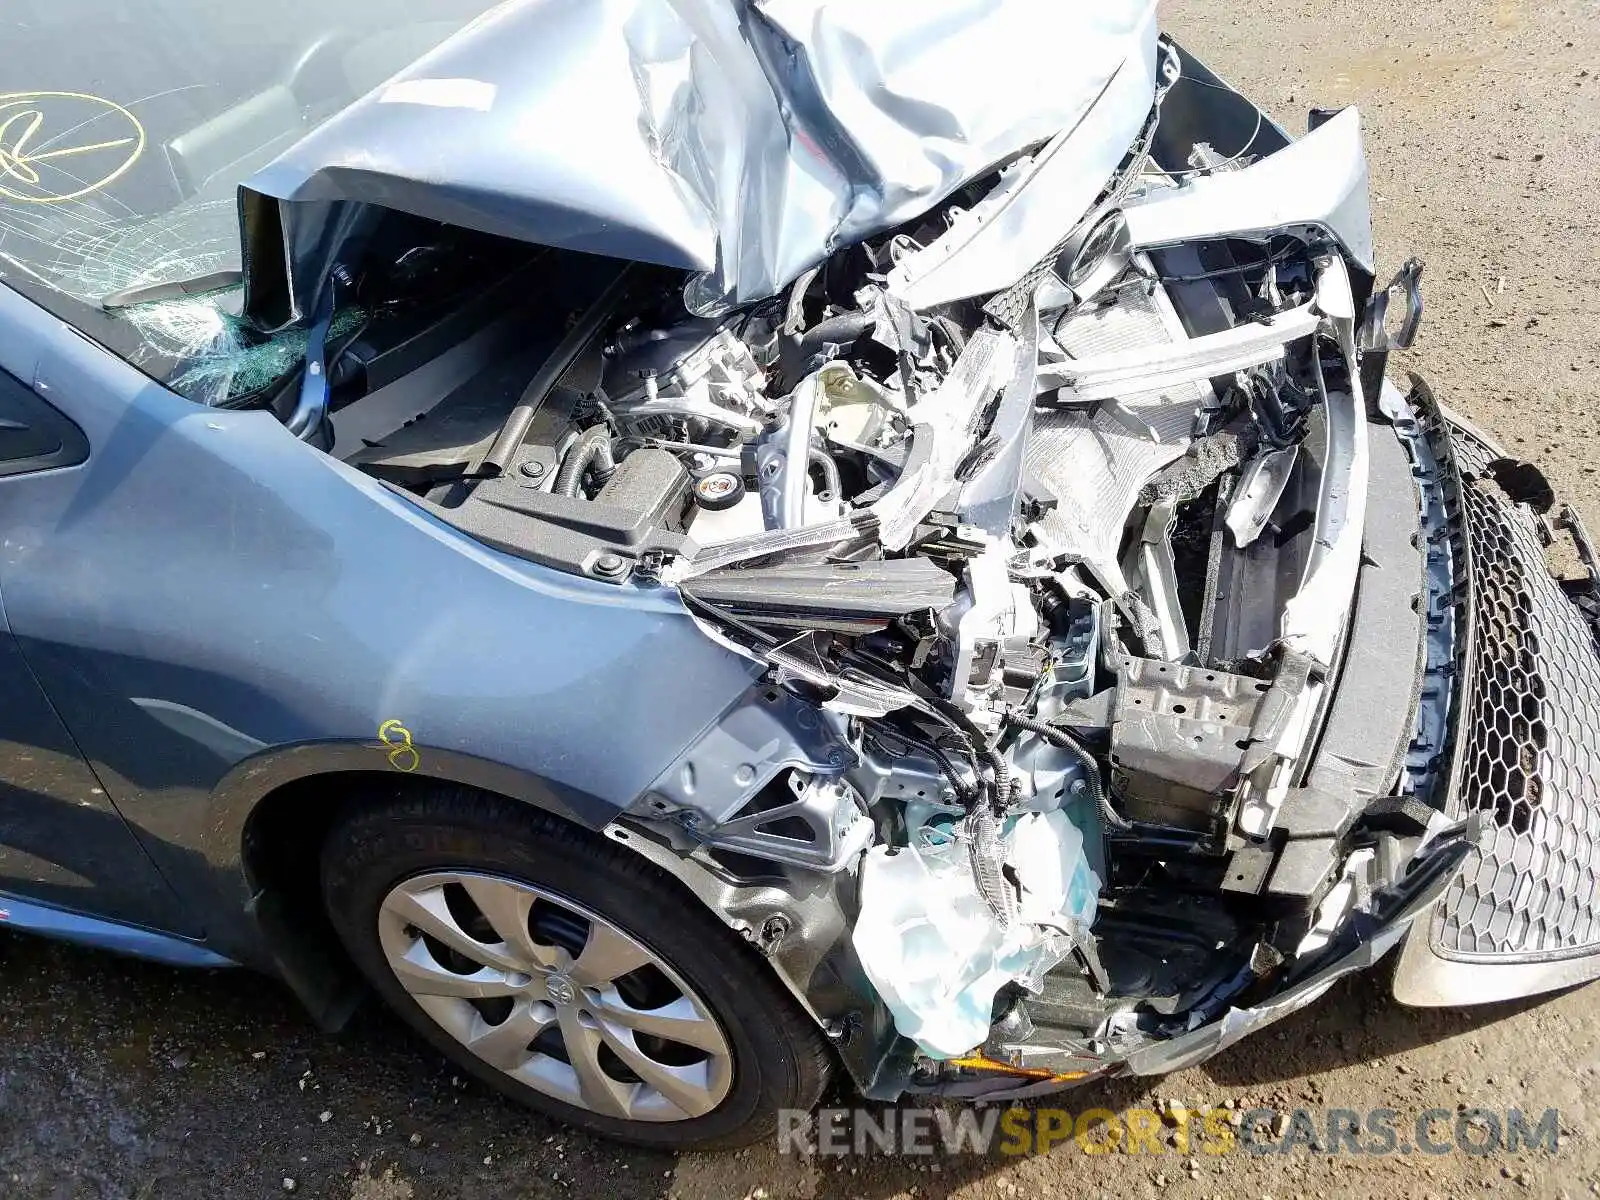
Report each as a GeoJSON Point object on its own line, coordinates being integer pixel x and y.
{"type": "Point", "coordinates": [177, 289]}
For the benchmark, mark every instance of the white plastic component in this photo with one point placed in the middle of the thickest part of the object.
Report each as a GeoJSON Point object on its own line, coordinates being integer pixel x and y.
{"type": "Point", "coordinates": [1319, 180]}
{"type": "Point", "coordinates": [1314, 617]}
{"type": "Point", "coordinates": [744, 519]}
{"type": "Point", "coordinates": [1259, 801]}
{"type": "Point", "coordinates": [994, 244]}
{"type": "Point", "coordinates": [1059, 888]}
{"type": "Point", "coordinates": [934, 951]}
{"type": "Point", "coordinates": [1353, 889]}
{"type": "Point", "coordinates": [984, 367]}
{"type": "Point", "coordinates": [993, 609]}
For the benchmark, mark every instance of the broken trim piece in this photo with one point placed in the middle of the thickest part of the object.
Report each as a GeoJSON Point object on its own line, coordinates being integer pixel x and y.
{"type": "Point", "coordinates": [1316, 183]}
{"type": "Point", "coordinates": [1314, 618]}
{"type": "Point", "coordinates": [1260, 487]}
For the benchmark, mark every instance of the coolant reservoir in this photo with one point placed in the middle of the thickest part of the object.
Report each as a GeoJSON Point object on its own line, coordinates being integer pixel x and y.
{"type": "Point", "coordinates": [932, 948]}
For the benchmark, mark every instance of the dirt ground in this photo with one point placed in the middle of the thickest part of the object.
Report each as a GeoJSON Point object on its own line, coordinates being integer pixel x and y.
{"type": "Point", "coordinates": [1483, 126]}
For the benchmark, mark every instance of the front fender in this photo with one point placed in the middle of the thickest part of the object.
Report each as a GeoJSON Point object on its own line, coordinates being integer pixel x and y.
{"type": "Point", "coordinates": [249, 782]}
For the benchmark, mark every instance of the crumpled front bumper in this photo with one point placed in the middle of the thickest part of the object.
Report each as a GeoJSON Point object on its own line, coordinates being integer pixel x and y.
{"type": "Point", "coordinates": [1522, 916]}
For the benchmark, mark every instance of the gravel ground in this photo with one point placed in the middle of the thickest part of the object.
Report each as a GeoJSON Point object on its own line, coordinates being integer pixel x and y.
{"type": "Point", "coordinates": [123, 1079]}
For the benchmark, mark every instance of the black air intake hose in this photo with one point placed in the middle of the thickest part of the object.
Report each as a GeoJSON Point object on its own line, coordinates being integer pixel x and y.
{"type": "Point", "coordinates": [840, 330]}
{"type": "Point", "coordinates": [592, 451]}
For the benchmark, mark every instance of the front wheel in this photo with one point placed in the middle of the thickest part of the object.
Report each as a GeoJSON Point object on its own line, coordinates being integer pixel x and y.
{"type": "Point", "coordinates": [567, 973]}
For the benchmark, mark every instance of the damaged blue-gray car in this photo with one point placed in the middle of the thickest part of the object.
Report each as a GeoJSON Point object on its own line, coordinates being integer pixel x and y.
{"type": "Point", "coordinates": [692, 548]}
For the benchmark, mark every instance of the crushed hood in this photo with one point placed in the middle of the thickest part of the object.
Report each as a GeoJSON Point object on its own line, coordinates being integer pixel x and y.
{"type": "Point", "coordinates": [742, 140]}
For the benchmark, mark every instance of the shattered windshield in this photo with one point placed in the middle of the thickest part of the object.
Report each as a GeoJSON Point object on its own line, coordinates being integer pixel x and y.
{"type": "Point", "coordinates": [126, 129]}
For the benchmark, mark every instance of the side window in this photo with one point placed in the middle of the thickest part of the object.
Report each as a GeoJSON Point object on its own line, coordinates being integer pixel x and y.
{"type": "Point", "coordinates": [33, 435]}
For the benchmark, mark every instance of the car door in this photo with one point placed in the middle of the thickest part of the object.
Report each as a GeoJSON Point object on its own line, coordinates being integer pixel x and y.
{"type": "Point", "coordinates": [62, 842]}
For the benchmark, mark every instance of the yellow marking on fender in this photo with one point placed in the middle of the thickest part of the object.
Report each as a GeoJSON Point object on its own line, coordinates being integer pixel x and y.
{"type": "Point", "coordinates": [403, 756]}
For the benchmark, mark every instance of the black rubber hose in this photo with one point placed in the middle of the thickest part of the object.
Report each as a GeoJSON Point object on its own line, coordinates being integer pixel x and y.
{"type": "Point", "coordinates": [1057, 736]}
{"type": "Point", "coordinates": [1002, 781]}
{"type": "Point", "coordinates": [967, 793]}
{"type": "Point", "coordinates": [592, 451]}
{"type": "Point", "coordinates": [840, 330]}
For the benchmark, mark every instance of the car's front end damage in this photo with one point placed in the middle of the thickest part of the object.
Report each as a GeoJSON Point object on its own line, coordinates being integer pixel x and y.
{"type": "Point", "coordinates": [1179, 665]}
{"type": "Point", "coordinates": [1129, 657]}
{"type": "Point", "coordinates": [1165, 755]}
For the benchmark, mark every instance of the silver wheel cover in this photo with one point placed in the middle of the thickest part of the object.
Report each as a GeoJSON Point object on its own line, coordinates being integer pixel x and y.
{"type": "Point", "coordinates": [556, 996]}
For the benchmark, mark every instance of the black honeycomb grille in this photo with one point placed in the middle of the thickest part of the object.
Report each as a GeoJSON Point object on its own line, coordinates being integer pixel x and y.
{"type": "Point", "coordinates": [1530, 746]}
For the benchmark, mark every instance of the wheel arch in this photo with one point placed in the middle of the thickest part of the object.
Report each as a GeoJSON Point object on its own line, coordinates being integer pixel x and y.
{"type": "Point", "coordinates": [279, 847]}
{"type": "Point", "coordinates": [275, 810]}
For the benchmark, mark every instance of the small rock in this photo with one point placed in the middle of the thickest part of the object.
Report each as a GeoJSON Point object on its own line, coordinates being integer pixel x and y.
{"type": "Point", "coordinates": [415, 1139]}
{"type": "Point", "coordinates": [325, 1116]}
{"type": "Point", "coordinates": [288, 1184]}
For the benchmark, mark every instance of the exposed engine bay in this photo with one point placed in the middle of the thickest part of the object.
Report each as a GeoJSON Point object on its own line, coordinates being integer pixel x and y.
{"type": "Point", "coordinates": [1047, 588]}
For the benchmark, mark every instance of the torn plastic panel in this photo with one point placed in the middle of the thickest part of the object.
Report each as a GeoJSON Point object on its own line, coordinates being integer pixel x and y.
{"type": "Point", "coordinates": [991, 246]}
{"type": "Point", "coordinates": [1314, 618]}
{"type": "Point", "coordinates": [1363, 943]}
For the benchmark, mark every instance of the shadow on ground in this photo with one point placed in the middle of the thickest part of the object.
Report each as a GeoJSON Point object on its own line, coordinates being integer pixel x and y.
{"type": "Point", "coordinates": [128, 1078]}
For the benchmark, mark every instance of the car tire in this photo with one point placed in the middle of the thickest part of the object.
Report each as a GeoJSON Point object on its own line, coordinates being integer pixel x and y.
{"type": "Point", "coordinates": [399, 871]}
